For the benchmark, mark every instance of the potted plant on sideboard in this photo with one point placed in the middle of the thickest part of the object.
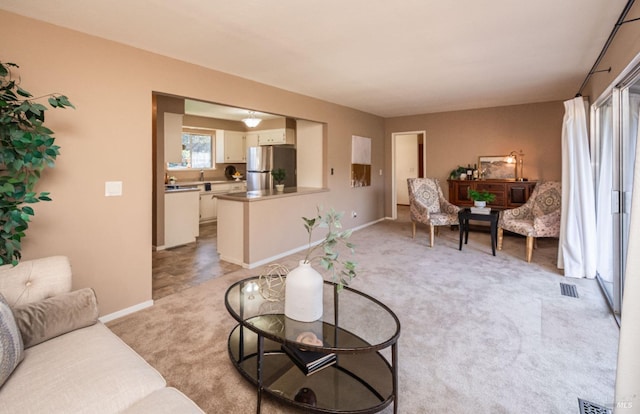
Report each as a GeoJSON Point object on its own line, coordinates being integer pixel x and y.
{"type": "Point", "coordinates": [279, 175]}
{"type": "Point", "coordinates": [481, 198]}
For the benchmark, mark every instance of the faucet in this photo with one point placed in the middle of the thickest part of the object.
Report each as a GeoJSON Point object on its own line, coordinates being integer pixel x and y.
{"type": "Point", "coordinates": [201, 175]}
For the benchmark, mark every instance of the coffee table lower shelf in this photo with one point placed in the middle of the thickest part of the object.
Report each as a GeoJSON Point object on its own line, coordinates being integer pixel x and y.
{"type": "Point", "coordinates": [357, 384]}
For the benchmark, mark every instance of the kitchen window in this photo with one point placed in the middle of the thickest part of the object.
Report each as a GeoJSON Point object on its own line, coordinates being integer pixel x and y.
{"type": "Point", "coordinates": [197, 152]}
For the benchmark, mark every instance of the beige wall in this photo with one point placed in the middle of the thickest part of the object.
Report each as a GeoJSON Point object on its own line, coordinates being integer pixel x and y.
{"type": "Point", "coordinates": [625, 47]}
{"type": "Point", "coordinates": [458, 138]}
{"type": "Point", "coordinates": [109, 138]}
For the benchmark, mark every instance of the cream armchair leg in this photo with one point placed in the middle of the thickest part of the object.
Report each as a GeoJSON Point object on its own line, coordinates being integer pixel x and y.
{"type": "Point", "coordinates": [431, 234]}
{"type": "Point", "coordinates": [413, 229]}
{"type": "Point", "coordinates": [529, 253]}
{"type": "Point", "coordinates": [500, 236]}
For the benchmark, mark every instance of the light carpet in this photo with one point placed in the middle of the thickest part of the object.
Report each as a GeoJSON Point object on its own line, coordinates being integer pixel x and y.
{"type": "Point", "coordinates": [480, 334]}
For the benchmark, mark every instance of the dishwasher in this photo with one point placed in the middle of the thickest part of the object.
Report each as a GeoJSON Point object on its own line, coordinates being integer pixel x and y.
{"type": "Point", "coordinates": [209, 201]}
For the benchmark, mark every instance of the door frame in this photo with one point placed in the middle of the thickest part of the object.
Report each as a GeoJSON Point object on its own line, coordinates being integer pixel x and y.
{"type": "Point", "coordinates": [615, 91]}
{"type": "Point", "coordinates": [394, 135]}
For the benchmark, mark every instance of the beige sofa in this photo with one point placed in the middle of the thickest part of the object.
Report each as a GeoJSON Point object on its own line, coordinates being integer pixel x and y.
{"type": "Point", "coordinates": [85, 370]}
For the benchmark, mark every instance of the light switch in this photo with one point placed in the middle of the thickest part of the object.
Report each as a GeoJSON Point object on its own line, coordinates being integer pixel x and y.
{"type": "Point", "coordinates": [380, 173]}
{"type": "Point", "coordinates": [113, 188]}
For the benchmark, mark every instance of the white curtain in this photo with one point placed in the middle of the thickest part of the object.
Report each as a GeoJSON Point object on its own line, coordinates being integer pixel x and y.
{"type": "Point", "coordinates": [577, 246]}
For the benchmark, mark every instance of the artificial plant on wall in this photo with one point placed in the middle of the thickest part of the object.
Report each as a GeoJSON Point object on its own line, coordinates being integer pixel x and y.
{"type": "Point", "coordinates": [26, 148]}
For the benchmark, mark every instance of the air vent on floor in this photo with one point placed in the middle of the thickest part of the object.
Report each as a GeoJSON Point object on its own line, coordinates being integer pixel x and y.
{"type": "Point", "coordinates": [568, 290]}
{"type": "Point", "coordinates": [587, 407]}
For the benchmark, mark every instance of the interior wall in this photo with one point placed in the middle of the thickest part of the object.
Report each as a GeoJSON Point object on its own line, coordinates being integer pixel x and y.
{"type": "Point", "coordinates": [460, 137]}
{"type": "Point", "coordinates": [309, 164]}
{"type": "Point", "coordinates": [623, 49]}
{"type": "Point", "coordinates": [109, 138]}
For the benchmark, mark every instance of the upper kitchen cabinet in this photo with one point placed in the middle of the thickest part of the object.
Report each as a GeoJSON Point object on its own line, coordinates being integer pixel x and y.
{"type": "Point", "coordinates": [230, 147]}
{"type": "Point", "coordinates": [173, 138]}
{"type": "Point", "coordinates": [277, 136]}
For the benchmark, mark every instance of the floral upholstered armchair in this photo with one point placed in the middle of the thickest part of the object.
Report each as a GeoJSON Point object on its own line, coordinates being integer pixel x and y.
{"type": "Point", "coordinates": [427, 205]}
{"type": "Point", "coordinates": [538, 217]}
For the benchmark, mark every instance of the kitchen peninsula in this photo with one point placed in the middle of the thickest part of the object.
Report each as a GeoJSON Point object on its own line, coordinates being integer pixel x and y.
{"type": "Point", "coordinates": [256, 227]}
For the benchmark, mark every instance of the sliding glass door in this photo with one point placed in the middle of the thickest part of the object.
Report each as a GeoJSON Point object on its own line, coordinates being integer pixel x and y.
{"type": "Point", "coordinates": [615, 133]}
{"type": "Point", "coordinates": [607, 214]}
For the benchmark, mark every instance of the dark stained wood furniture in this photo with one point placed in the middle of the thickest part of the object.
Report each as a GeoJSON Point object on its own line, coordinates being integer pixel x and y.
{"type": "Point", "coordinates": [465, 214]}
{"type": "Point", "coordinates": [509, 193]}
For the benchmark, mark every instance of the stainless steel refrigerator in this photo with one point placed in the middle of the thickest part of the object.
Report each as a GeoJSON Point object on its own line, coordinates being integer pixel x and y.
{"type": "Point", "coordinates": [261, 160]}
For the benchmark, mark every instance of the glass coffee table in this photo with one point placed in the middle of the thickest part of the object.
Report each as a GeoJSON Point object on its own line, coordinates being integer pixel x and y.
{"type": "Point", "coordinates": [361, 331]}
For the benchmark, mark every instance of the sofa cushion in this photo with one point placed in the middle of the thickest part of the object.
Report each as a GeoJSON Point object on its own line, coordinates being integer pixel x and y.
{"type": "Point", "coordinates": [48, 318]}
{"type": "Point", "coordinates": [166, 400]}
{"type": "Point", "coordinates": [89, 370]}
{"type": "Point", "coordinates": [34, 280]}
{"type": "Point", "coordinates": [11, 349]}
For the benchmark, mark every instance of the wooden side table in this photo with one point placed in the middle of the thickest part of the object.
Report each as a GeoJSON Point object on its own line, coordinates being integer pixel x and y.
{"type": "Point", "coordinates": [465, 214]}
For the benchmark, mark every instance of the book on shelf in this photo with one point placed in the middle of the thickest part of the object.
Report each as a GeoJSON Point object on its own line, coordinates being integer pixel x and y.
{"type": "Point", "coordinates": [481, 210]}
{"type": "Point", "coordinates": [309, 361]}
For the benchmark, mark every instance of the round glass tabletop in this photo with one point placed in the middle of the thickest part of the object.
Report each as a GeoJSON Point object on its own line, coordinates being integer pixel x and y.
{"type": "Point", "coordinates": [352, 321]}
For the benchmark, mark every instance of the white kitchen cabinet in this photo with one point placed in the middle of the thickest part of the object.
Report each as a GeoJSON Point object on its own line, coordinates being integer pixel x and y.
{"type": "Point", "coordinates": [277, 136]}
{"type": "Point", "coordinates": [208, 207]}
{"type": "Point", "coordinates": [172, 138]}
{"type": "Point", "coordinates": [230, 147]}
{"type": "Point", "coordinates": [237, 187]}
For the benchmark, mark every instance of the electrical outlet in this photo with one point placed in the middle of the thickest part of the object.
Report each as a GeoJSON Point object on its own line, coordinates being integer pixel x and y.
{"type": "Point", "coordinates": [354, 214]}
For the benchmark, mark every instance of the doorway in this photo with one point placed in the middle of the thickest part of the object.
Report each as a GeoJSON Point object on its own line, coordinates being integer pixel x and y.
{"type": "Point", "coordinates": [408, 161]}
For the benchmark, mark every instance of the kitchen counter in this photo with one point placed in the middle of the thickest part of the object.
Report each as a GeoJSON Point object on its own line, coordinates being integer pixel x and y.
{"type": "Point", "coordinates": [207, 181]}
{"type": "Point", "coordinates": [249, 196]}
{"type": "Point", "coordinates": [216, 186]}
{"type": "Point", "coordinates": [180, 190]}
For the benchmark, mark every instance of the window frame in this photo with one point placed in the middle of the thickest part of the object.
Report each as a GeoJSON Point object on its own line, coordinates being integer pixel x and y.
{"type": "Point", "coordinates": [212, 150]}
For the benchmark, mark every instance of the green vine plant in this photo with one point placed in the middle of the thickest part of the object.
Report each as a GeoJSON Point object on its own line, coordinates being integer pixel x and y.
{"type": "Point", "coordinates": [27, 147]}
{"type": "Point", "coordinates": [326, 252]}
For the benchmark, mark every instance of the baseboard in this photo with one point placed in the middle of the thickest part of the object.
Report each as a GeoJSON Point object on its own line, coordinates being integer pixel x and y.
{"type": "Point", "coordinates": [124, 312]}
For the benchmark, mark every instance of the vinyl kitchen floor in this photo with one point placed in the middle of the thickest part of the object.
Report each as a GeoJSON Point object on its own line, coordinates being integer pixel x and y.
{"type": "Point", "coordinates": [185, 266]}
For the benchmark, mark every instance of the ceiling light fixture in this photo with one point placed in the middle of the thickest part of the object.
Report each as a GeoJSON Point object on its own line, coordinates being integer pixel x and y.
{"type": "Point", "coordinates": [252, 121]}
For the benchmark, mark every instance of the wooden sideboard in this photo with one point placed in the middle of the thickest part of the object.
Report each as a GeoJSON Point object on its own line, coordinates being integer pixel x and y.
{"type": "Point", "coordinates": [509, 193]}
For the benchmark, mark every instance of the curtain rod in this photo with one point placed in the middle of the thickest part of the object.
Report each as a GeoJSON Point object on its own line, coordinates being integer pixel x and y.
{"type": "Point", "coordinates": [619, 23]}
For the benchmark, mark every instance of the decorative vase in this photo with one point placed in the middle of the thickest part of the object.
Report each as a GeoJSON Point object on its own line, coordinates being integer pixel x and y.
{"type": "Point", "coordinates": [480, 204]}
{"type": "Point", "coordinates": [303, 293]}
{"type": "Point", "coordinates": [280, 187]}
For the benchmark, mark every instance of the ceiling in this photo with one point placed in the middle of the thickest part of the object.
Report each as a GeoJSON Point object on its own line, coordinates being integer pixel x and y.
{"type": "Point", "coordinates": [387, 58]}
{"type": "Point", "coordinates": [211, 110]}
